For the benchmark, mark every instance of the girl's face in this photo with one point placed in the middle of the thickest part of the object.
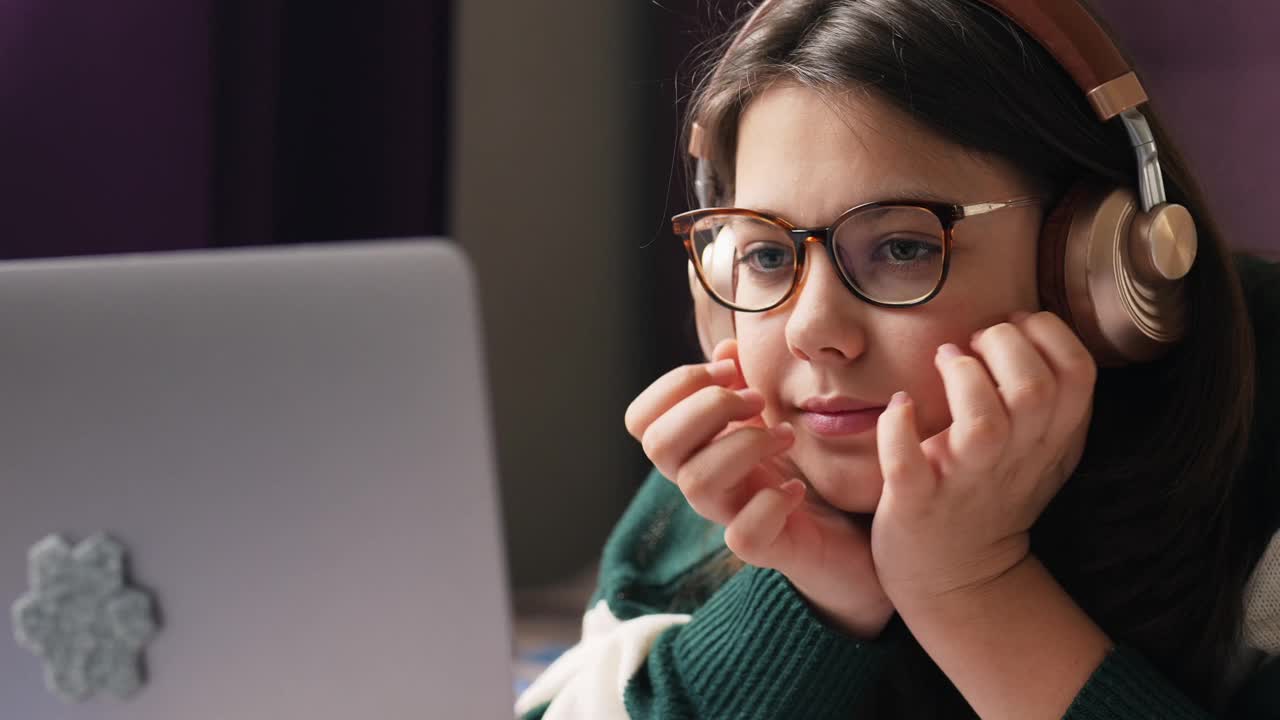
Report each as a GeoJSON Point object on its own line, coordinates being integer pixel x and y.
{"type": "Point", "coordinates": [808, 157]}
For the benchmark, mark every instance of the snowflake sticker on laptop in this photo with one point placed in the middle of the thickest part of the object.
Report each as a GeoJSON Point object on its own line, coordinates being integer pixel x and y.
{"type": "Point", "coordinates": [82, 619]}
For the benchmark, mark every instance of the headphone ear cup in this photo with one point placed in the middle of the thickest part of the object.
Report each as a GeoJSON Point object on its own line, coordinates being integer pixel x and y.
{"type": "Point", "coordinates": [1052, 255]}
{"type": "Point", "coordinates": [714, 321]}
{"type": "Point", "coordinates": [1088, 276]}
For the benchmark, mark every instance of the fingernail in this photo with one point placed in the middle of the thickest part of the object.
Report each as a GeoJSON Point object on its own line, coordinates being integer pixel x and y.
{"type": "Point", "coordinates": [723, 370]}
{"type": "Point", "coordinates": [1019, 316]}
{"type": "Point", "coordinates": [899, 399]}
{"type": "Point", "coordinates": [752, 396]}
{"type": "Point", "coordinates": [782, 431]}
{"type": "Point", "coordinates": [794, 487]}
{"type": "Point", "coordinates": [949, 352]}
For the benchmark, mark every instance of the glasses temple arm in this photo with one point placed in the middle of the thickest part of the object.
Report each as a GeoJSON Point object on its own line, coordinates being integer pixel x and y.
{"type": "Point", "coordinates": [965, 211]}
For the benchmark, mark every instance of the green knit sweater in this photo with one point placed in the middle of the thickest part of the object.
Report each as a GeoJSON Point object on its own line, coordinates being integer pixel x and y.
{"type": "Point", "coordinates": [753, 648]}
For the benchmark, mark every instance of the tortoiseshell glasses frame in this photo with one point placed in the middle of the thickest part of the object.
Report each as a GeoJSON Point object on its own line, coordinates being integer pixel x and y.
{"type": "Point", "coordinates": [685, 225]}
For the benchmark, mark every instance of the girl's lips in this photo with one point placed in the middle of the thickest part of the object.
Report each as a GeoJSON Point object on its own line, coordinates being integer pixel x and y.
{"type": "Point", "coordinates": [832, 424]}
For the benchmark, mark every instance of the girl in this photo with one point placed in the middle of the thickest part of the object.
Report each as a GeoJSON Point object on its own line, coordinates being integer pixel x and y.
{"type": "Point", "coordinates": [904, 488]}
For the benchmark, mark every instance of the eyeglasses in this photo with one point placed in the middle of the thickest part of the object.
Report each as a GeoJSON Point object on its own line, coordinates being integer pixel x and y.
{"type": "Point", "coordinates": [890, 254]}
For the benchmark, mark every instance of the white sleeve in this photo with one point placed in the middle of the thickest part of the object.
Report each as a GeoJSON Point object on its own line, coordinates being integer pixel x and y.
{"type": "Point", "coordinates": [589, 679]}
{"type": "Point", "coordinates": [1262, 602]}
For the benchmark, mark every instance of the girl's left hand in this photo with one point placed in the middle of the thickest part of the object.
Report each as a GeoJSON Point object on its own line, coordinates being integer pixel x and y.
{"type": "Point", "coordinates": [957, 509]}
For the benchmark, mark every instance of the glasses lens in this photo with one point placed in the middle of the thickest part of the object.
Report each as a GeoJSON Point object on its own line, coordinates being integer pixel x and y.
{"type": "Point", "coordinates": [746, 262]}
{"type": "Point", "coordinates": [893, 255]}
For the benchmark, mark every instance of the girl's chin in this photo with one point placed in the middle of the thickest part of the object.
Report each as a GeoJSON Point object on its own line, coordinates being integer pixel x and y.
{"type": "Point", "coordinates": [847, 493]}
{"type": "Point", "coordinates": [847, 478]}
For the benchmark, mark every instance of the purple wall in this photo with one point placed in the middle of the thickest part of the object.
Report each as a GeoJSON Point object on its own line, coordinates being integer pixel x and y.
{"type": "Point", "coordinates": [153, 125]}
{"type": "Point", "coordinates": [104, 126]}
{"type": "Point", "coordinates": [1213, 70]}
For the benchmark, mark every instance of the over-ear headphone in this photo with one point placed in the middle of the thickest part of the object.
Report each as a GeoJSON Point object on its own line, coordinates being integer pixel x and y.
{"type": "Point", "coordinates": [1111, 261]}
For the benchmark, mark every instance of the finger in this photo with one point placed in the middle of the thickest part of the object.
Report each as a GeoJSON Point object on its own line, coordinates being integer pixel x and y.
{"type": "Point", "coordinates": [1071, 363]}
{"type": "Point", "coordinates": [694, 422]}
{"type": "Point", "coordinates": [728, 350]}
{"type": "Point", "coordinates": [721, 478]}
{"type": "Point", "coordinates": [979, 426]}
{"type": "Point", "coordinates": [754, 533]}
{"type": "Point", "coordinates": [1023, 379]}
{"type": "Point", "coordinates": [908, 476]}
{"type": "Point", "coordinates": [673, 387]}
{"type": "Point", "coordinates": [724, 349]}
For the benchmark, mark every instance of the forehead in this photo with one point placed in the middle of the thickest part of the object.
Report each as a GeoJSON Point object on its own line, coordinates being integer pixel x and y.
{"type": "Point", "coordinates": [808, 156]}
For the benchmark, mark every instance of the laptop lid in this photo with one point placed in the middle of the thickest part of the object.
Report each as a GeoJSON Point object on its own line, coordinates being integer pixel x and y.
{"type": "Point", "coordinates": [291, 448]}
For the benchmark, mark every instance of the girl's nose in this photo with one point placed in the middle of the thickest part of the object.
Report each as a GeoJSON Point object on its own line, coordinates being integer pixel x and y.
{"type": "Point", "coordinates": [826, 320]}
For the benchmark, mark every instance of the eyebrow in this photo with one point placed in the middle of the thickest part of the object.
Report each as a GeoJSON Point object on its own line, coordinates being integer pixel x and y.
{"type": "Point", "coordinates": [924, 195]}
{"type": "Point", "coordinates": [919, 194]}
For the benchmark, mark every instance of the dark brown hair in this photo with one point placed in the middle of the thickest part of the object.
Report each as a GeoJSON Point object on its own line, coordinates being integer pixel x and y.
{"type": "Point", "coordinates": [1149, 535]}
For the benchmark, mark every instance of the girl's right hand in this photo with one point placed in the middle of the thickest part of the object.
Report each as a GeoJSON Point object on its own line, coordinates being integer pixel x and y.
{"type": "Point", "coordinates": [702, 428]}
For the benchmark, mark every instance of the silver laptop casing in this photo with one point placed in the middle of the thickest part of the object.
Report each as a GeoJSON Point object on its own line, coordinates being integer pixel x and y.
{"type": "Point", "coordinates": [294, 447]}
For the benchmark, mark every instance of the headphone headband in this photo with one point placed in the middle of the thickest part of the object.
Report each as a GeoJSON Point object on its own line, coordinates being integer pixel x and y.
{"type": "Point", "coordinates": [1065, 28]}
{"type": "Point", "coordinates": [1084, 49]}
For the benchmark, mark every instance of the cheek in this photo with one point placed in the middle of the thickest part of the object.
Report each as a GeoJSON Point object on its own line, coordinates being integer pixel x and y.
{"type": "Point", "coordinates": [915, 369]}
{"type": "Point", "coordinates": [916, 344]}
{"type": "Point", "coordinates": [760, 344]}
{"type": "Point", "coordinates": [996, 274]}
{"type": "Point", "coordinates": [763, 357]}
{"type": "Point", "coordinates": [951, 321]}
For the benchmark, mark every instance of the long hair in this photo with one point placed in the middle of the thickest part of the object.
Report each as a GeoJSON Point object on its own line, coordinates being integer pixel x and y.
{"type": "Point", "coordinates": [1148, 535]}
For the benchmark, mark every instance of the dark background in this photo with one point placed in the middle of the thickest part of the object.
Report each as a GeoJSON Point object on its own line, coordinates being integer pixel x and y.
{"type": "Point", "coordinates": [145, 125]}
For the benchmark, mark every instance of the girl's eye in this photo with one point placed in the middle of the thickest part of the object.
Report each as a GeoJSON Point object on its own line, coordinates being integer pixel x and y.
{"type": "Point", "coordinates": [901, 251]}
{"type": "Point", "coordinates": [767, 257]}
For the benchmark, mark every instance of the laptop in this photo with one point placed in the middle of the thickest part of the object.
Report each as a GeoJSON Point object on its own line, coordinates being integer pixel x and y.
{"type": "Point", "coordinates": [252, 483]}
